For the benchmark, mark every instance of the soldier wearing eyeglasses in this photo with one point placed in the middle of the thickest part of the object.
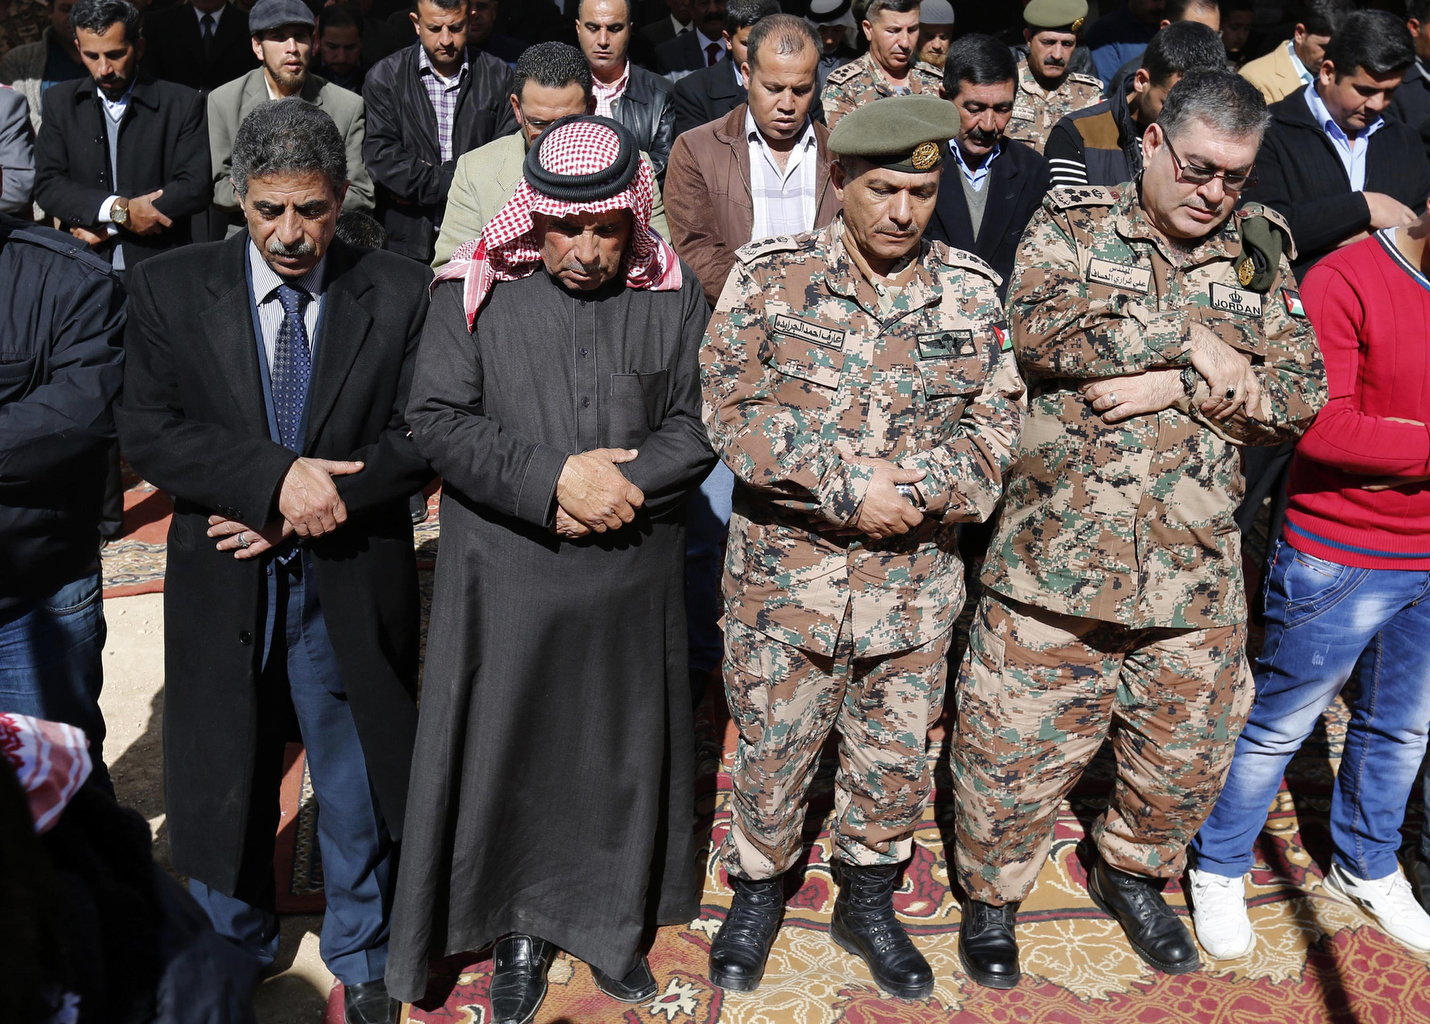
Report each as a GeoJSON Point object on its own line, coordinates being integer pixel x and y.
{"type": "Point", "coordinates": [1158, 332]}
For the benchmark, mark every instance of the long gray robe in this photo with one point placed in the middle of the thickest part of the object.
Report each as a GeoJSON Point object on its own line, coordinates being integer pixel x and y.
{"type": "Point", "coordinates": [552, 785]}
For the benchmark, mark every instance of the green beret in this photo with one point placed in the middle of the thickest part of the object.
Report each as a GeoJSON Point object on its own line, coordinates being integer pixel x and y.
{"type": "Point", "coordinates": [1063, 14]}
{"type": "Point", "coordinates": [901, 133]}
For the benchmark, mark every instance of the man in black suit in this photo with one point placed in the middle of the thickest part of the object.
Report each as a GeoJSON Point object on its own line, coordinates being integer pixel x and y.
{"type": "Point", "coordinates": [624, 90]}
{"type": "Point", "coordinates": [201, 44]}
{"type": "Point", "coordinates": [676, 21]}
{"type": "Point", "coordinates": [710, 93]}
{"type": "Point", "coordinates": [700, 48]}
{"type": "Point", "coordinates": [266, 381]}
{"type": "Point", "coordinates": [426, 106]}
{"type": "Point", "coordinates": [121, 160]}
{"type": "Point", "coordinates": [993, 185]}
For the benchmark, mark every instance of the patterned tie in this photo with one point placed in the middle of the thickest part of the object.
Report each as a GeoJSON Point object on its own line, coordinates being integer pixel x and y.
{"type": "Point", "coordinates": [292, 366]}
{"type": "Point", "coordinates": [206, 29]}
{"type": "Point", "coordinates": [712, 53]}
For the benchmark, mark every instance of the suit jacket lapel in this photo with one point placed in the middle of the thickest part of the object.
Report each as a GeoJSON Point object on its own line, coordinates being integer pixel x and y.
{"type": "Point", "coordinates": [1002, 186]}
{"type": "Point", "coordinates": [952, 209]}
{"type": "Point", "coordinates": [229, 334]}
{"type": "Point", "coordinates": [344, 327]}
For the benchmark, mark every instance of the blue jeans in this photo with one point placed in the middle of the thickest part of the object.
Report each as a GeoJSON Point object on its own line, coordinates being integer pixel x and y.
{"type": "Point", "coordinates": [1321, 619]}
{"type": "Point", "coordinates": [51, 663]}
{"type": "Point", "coordinates": [708, 522]}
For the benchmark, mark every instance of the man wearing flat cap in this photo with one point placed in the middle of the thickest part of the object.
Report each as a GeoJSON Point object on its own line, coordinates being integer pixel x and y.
{"type": "Point", "coordinates": [857, 382]}
{"type": "Point", "coordinates": [281, 33]}
{"type": "Point", "coordinates": [1048, 88]}
{"type": "Point", "coordinates": [557, 392]}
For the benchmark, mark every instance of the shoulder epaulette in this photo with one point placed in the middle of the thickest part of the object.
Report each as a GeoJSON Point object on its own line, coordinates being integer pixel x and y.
{"type": "Point", "coordinates": [952, 257]}
{"type": "Point", "coordinates": [74, 250]}
{"type": "Point", "coordinates": [1258, 210]}
{"type": "Point", "coordinates": [928, 69]}
{"type": "Point", "coordinates": [1081, 79]}
{"type": "Point", "coordinates": [846, 72]}
{"type": "Point", "coordinates": [751, 251]}
{"type": "Point", "coordinates": [1068, 196]}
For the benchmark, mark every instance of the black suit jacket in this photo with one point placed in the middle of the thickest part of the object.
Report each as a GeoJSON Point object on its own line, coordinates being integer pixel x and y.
{"type": "Point", "coordinates": [163, 144]}
{"type": "Point", "coordinates": [174, 50]}
{"type": "Point", "coordinates": [683, 53]}
{"type": "Point", "coordinates": [660, 31]}
{"type": "Point", "coordinates": [401, 150]}
{"type": "Point", "coordinates": [1016, 184]}
{"type": "Point", "coordinates": [707, 94]}
{"type": "Point", "coordinates": [647, 108]}
{"type": "Point", "coordinates": [1303, 179]}
{"type": "Point", "coordinates": [193, 420]}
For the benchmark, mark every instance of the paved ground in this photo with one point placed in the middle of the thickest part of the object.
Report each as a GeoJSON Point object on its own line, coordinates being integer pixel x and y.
{"type": "Point", "coordinates": [133, 708]}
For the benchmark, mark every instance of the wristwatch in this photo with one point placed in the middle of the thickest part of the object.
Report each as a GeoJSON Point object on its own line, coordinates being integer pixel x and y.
{"type": "Point", "coordinates": [119, 212]}
{"type": "Point", "coordinates": [1190, 377]}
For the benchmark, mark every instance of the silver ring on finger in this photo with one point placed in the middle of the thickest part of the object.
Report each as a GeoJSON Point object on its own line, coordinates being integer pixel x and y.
{"type": "Point", "coordinates": [243, 540]}
{"type": "Point", "coordinates": [1112, 397]}
{"type": "Point", "coordinates": [1230, 394]}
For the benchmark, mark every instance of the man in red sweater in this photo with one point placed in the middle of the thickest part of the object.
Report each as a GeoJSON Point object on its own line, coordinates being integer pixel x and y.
{"type": "Point", "coordinates": [1348, 584]}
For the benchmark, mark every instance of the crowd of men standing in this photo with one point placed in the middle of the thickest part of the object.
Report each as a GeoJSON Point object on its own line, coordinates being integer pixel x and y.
{"type": "Point", "coordinates": [748, 339]}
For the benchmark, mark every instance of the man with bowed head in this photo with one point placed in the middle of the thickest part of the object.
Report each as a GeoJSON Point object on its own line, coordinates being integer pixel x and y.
{"type": "Point", "coordinates": [557, 393]}
{"type": "Point", "coordinates": [264, 389]}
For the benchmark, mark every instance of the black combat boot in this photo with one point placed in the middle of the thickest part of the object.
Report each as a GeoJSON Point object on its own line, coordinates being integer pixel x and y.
{"type": "Point", "coordinates": [987, 946]}
{"type": "Point", "coordinates": [1154, 931]}
{"type": "Point", "coordinates": [741, 947]}
{"type": "Point", "coordinates": [865, 925]}
{"type": "Point", "coordinates": [519, 966]}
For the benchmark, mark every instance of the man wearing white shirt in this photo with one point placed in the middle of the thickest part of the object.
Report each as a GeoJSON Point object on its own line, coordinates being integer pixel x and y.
{"type": "Point", "coordinates": [703, 47]}
{"type": "Point", "coordinates": [760, 171]}
{"type": "Point", "coordinates": [133, 196]}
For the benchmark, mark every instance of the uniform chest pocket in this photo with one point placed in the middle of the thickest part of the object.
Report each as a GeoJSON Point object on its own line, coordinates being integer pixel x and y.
{"type": "Point", "coordinates": [946, 378]}
{"type": "Point", "coordinates": [1241, 332]}
{"type": "Point", "coordinates": [814, 364]}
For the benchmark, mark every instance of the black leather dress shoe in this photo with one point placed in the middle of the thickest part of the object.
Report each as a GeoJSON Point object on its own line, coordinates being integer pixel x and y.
{"type": "Point", "coordinates": [987, 945]}
{"type": "Point", "coordinates": [864, 924]}
{"type": "Point", "coordinates": [741, 947]}
{"type": "Point", "coordinates": [369, 1003]}
{"type": "Point", "coordinates": [519, 965]}
{"type": "Point", "coordinates": [638, 986]}
{"type": "Point", "coordinates": [1154, 931]}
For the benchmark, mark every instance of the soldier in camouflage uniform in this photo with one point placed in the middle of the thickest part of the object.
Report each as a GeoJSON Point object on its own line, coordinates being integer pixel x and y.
{"type": "Point", "coordinates": [857, 382]}
{"type": "Point", "coordinates": [890, 68]}
{"type": "Point", "coordinates": [1047, 90]}
{"type": "Point", "coordinates": [1158, 333]}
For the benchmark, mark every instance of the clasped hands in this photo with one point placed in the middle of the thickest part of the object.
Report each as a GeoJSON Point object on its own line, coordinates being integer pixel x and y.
{"type": "Point", "coordinates": [144, 219]}
{"type": "Point", "coordinates": [593, 496]}
{"type": "Point", "coordinates": [884, 512]}
{"type": "Point", "coordinates": [308, 502]}
{"type": "Point", "coordinates": [1228, 374]}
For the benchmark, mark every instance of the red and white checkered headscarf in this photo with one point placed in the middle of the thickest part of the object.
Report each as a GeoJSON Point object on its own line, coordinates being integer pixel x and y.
{"type": "Point", "coordinates": [50, 759]}
{"type": "Point", "coordinates": [509, 249]}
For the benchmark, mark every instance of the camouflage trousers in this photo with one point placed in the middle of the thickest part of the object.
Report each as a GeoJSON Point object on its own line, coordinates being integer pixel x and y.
{"type": "Point", "coordinates": [1037, 694]}
{"type": "Point", "coordinates": [785, 702]}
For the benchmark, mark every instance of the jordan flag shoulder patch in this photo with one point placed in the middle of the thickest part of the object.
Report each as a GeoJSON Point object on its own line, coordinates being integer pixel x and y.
{"type": "Point", "coordinates": [1293, 302]}
{"type": "Point", "coordinates": [1004, 336]}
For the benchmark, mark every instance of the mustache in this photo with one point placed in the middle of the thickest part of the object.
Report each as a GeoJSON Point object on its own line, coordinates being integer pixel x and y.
{"type": "Point", "coordinates": [277, 248]}
{"type": "Point", "coordinates": [983, 137]}
{"type": "Point", "coordinates": [1056, 62]}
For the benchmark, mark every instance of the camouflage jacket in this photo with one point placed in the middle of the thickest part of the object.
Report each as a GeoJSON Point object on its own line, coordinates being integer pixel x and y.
{"type": "Point", "coordinates": [1036, 110]}
{"type": "Point", "coordinates": [861, 81]}
{"type": "Point", "coordinates": [805, 365]}
{"type": "Point", "coordinates": [1132, 522]}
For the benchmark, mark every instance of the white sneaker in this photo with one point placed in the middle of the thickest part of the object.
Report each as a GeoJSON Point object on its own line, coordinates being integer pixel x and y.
{"type": "Point", "coordinates": [1388, 901]}
{"type": "Point", "coordinates": [1219, 913]}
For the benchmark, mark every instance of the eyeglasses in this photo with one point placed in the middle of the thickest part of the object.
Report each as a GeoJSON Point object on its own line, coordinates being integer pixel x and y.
{"type": "Point", "coordinates": [1194, 175]}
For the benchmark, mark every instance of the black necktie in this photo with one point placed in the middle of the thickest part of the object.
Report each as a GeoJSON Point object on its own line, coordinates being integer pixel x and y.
{"type": "Point", "coordinates": [206, 29]}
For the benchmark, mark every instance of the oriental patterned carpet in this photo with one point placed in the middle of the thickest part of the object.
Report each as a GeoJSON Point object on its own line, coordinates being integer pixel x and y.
{"type": "Point", "coordinates": [1316, 961]}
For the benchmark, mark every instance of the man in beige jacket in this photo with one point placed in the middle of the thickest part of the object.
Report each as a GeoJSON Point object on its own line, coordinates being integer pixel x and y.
{"type": "Point", "coordinates": [551, 81]}
{"type": "Point", "coordinates": [282, 32]}
{"type": "Point", "coordinates": [1294, 64]}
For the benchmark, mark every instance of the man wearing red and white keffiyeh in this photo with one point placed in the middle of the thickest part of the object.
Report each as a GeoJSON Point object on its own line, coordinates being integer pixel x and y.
{"type": "Point", "coordinates": [557, 392]}
{"type": "Point", "coordinates": [573, 148]}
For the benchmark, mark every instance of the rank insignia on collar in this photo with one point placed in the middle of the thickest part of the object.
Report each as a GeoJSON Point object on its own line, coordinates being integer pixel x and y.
{"type": "Point", "coordinates": [1245, 271]}
{"type": "Point", "coordinates": [1293, 302]}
